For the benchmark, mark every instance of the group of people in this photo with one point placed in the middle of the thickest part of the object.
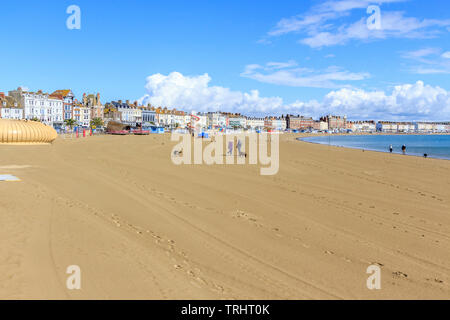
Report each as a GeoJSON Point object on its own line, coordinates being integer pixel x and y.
{"type": "Point", "coordinates": [391, 149]}
{"type": "Point", "coordinates": [238, 147]}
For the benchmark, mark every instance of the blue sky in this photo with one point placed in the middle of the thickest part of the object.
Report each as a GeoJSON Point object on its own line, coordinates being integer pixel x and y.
{"type": "Point", "coordinates": [309, 57]}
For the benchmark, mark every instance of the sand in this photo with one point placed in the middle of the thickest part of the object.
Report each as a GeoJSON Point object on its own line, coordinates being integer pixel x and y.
{"type": "Point", "coordinates": [140, 227]}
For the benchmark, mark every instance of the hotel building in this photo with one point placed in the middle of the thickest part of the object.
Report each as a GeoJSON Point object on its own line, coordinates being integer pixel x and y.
{"type": "Point", "coordinates": [335, 123]}
{"type": "Point", "coordinates": [255, 123]}
{"type": "Point", "coordinates": [236, 120]}
{"type": "Point", "coordinates": [275, 123]}
{"type": "Point", "coordinates": [148, 115]}
{"type": "Point", "coordinates": [39, 105]}
{"type": "Point", "coordinates": [92, 102]}
{"type": "Point", "coordinates": [68, 98]}
{"type": "Point", "coordinates": [299, 122]}
{"type": "Point", "coordinates": [81, 114]}
{"type": "Point", "coordinates": [216, 120]}
{"type": "Point", "coordinates": [9, 108]}
{"type": "Point", "coordinates": [362, 126]}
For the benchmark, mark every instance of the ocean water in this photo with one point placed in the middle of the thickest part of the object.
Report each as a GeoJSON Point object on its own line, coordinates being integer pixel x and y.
{"type": "Point", "coordinates": [436, 146]}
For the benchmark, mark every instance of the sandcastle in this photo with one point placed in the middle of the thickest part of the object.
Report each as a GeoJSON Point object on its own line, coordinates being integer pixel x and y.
{"type": "Point", "coordinates": [25, 132]}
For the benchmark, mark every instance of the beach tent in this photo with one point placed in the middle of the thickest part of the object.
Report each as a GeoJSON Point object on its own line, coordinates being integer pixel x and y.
{"type": "Point", "coordinates": [156, 130]}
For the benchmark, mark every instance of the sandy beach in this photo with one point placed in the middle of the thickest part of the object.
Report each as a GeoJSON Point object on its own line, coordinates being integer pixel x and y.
{"type": "Point", "coordinates": [140, 227]}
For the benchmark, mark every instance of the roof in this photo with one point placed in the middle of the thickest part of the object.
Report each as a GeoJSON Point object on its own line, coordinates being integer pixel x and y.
{"type": "Point", "coordinates": [63, 93]}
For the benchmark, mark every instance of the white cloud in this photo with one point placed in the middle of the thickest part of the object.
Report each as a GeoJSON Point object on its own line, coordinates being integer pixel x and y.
{"type": "Point", "coordinates": [409, 101]}
{"type": "Point", "coordinates": [288, 74]}
{"type": "Point", "coordinates": [431, 61]}
{"type": "Point", "coordinates": [195, 93]}
{"type": "Point", "coordinates": [322, 25]}
{"type": "Point", "coordinates": [421, 53]}
{"type": "Point", "coordinates": [281, 65]}
{"type": "Point", "coordinates": [393, 25]}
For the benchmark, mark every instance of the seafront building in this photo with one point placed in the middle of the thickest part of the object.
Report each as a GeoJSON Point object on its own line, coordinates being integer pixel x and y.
{"type": "Point", "coordinates": [362, 126]}
{"type": "Point", "coordinates": [300, 123]}
{"type": "Point", "coordinates": [40, 106]}
{"type": "Point", "coordinates": [335, 123]}
{"type": "Point", "coordinates": [60, 106]}
{"type": "Point", "coordinates": [148, 115]}
{"type": "Point", "coordinates": [255, 123]}
{"type": "Point", "coordinates": [163, 117]}
{"type": "Point", "coordinates": [68, 98]}
{"type": "Point", "coordinates": [81, 114]}
{"type": "Point", "coordinates": [432, 127]}
{"type": "Point", "coordinates": [216, 120]}
{"type": "Point", "coordinates": [129, 114]}
{"type": "Point", "coordinates": [93, 103]}
{"type": "Point", "coordinates": [275, 123]}
{"type": "Point", "coordinates": [387, 127]}
{"type": "Point", "coordinates": [236, 120]}
{"type": "Point", "coordinates": [9, 108]}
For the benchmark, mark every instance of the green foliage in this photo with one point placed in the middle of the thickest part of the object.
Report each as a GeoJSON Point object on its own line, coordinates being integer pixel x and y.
{"type": "Point", "coordinates": [70, 123]}
{"type": "Point", "coordinates": [97, 122]}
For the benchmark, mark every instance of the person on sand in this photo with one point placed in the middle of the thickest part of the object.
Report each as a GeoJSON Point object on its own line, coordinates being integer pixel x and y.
{"type": "Point", "coordinates": [230, 148]}
{"type": "Point", "coordinates": [238, 146]}
{"type": "Point", "coordinates": [391, 148]}
{"type": "Point", "coordinates": [404, 149]}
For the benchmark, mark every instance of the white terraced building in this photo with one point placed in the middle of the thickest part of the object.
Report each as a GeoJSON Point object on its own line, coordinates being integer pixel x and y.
{"type": "Point", "coordinates": [39, 105]}
{"type": "Point", "coordinates": [255, 123]}
{"type": "Point", "coordinates": [216, 119]}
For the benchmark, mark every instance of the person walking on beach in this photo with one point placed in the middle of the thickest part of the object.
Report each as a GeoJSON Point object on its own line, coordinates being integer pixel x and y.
{"type": "Point", "coordinates": [230, 148]}
{"type": "Point", "coordinates": [404, 149]}
{"type": "Point", "coordinates": [391, 148]}
{"type": "Point", "coordinates": [238, 146]}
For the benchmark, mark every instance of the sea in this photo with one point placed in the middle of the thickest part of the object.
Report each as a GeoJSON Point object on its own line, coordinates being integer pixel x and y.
{"type": "Point", "coordinates": [435, 146]}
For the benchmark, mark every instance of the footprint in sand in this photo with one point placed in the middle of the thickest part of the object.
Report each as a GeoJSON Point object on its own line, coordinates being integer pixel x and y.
{"type": "Point", "coordinates": [399, 274]}
{"type": "Point", "coordinates": [377, 264]}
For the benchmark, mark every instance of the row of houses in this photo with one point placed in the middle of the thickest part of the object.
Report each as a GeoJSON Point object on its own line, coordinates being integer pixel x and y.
{"type": "Point", "coordinates": [341, 124]}
{"type": "Point", "coordinates": [56, 108]}
{"type": "Point", "coordinates": [413, 127]}
{"type": "Point", "coordinates": [53, 109]}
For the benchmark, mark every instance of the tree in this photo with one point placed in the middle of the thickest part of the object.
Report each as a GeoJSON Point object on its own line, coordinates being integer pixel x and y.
{"type": "Point", "coordinates": [70, 123]}
{"type": "Point", "coordinates": [97, 122]}
{"type": "Point", "coordinates": [36, 119]}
